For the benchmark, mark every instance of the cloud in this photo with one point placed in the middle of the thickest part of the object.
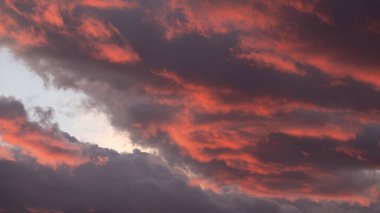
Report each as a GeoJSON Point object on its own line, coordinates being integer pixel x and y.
{"type": "Point", "coordinates": [47, 145]}
{"type": "Point", "coordinates": [6, 153]}
{"type": "Point", "coordinates": [277, 98]}
{"type": "Point", "coordinates": [134, 182]}
{"type": "Point", "coordinates": [106, 182]}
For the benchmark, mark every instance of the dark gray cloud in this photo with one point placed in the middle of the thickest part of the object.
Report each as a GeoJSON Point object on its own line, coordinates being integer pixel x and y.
{"type": "Point", "coordinates": [279, 98]}
{"type": "Point", "coordinates": [11, 109]}
{"type": "Point", "coordinates": [135, 182]}
{"type": "Point", "coordinates": [108, 182]}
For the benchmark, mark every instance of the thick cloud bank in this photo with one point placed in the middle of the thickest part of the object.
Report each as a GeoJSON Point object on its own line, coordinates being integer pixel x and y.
{"type": "Point", "coordinates": [278, 98]}
{"type": "Point", "coordinates": [106, 182]}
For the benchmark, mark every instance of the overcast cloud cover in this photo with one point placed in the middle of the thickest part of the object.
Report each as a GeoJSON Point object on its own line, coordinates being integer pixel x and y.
{"type": "Point", "coordinates": [252, 105]}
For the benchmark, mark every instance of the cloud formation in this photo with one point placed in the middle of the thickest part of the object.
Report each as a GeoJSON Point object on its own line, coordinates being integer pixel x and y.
{"type": "Point", "coordinates": [33, 181]}
{"type": "Point", "coordinates": [47, 145]}
{"type": "Point", "coordinates": [277, 98]}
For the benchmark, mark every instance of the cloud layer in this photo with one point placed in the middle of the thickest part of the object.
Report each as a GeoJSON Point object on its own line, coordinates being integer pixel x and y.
{"type": "Point", "coordinates": [279, 99]}
{"type": "Point", "coordinates": [33, 181]}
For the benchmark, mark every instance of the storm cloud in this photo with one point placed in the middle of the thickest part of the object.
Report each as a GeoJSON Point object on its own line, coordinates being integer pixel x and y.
{"type": "Point", "coordinates": [106, 182]}
{"type": "Point", "coordinates": [275, 99]}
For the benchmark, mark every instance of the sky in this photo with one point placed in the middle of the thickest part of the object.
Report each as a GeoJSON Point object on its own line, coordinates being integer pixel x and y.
{"type": "Point", "coordinates": [190, 106]}
{"type": "Point", "coordinates": [89, 125]}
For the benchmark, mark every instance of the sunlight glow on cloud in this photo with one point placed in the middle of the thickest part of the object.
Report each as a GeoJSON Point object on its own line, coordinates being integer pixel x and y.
{"type": "Point", "coordinates": [273, 99]}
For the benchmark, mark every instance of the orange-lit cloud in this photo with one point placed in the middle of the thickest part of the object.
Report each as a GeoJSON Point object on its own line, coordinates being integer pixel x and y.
{"type": "Point", "coordinates": [23, 37]}
{"type": "Point", "coordinates": [101, 4]}
{"type": "Point", "coordinates": [207, 18]}
{"type": "Point", "coordinates": [96, 35]}
{"type": "Point", "coordinates": [49, 13]}
{"type": "Point", "coordinates": [282, 94]}
{"type": "Point", "coordinates": [37, 210]}
{"type": "Point", "coordinates": [92, 28]}
{"type": "Point", "coordinates": [235, 142]}
{"type": "Point", "coordinates": [6, 153]}
{"type": "Point", "coordinates": [116, 54]}
{"type": "Point", "coordinates": [284, 47]}
{"type": "Point", "coordinates": [47, 145]}
{"type": "Point", "coordinates": [40, 144]}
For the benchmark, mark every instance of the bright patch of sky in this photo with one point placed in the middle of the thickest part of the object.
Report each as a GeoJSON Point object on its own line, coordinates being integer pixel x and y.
{"type": "Point", "coordinates": [70, 114]}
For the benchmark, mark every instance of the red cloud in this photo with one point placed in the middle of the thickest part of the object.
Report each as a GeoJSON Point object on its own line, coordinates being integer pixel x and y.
{"type": "Point", "coordinates": [94, 29]}
{"type": "Point", "coordinates": [47, 146]}
{"type": "Point", "coordinates": [101, 4]}
{"type": "Point", "coordinates": [206, 18]}
{"type": "Point", "coordinates": [49, 13]}
{"type": "Point", "coordinates": [115, 54]}
{"type": "Point", "coordinates": [263, 22]}
{"type": "Point", "coordinates": [6, 153]}
{"type": "Point", "coordinates": [234, 112]}
{"type": "Point", "coordinates": [98, 37]}
{"type": "Point", "coordinates": [233, 141]}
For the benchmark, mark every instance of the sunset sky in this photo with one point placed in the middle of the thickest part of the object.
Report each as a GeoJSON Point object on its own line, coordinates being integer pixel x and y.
{"type": "Point", "coordinates": [190, 106]}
